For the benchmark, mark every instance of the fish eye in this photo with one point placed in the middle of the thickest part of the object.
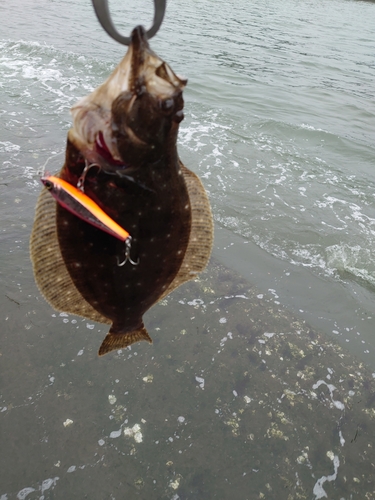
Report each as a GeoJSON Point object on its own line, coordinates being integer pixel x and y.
{"type": "Point", "coordinates": [48, 185]}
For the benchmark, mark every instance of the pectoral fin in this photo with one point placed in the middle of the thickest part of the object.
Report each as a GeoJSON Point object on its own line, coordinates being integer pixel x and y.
{"type": "Point", "coordinates": [114, 341]}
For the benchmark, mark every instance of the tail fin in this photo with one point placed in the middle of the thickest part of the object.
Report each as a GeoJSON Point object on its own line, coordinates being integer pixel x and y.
{"type": "Point", "coordinates": [114, 341]}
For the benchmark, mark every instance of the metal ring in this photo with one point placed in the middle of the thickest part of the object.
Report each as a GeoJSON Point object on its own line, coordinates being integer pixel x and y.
{"type": "Point", "coordinates": [102, 12]}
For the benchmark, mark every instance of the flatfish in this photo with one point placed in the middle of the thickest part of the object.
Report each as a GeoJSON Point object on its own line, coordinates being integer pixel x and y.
{"type": "Point", "coordinates": [122, 153]}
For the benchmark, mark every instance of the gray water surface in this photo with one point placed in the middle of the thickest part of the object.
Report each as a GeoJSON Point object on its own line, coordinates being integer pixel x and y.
{"type": "Point", "coordinates": [279, 124]}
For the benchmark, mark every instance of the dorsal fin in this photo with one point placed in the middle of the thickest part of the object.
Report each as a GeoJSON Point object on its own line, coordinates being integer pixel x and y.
{"type": "Point", "coordinates": [50, 272]}
{"type": "Point", "coordinates": [200, 243]}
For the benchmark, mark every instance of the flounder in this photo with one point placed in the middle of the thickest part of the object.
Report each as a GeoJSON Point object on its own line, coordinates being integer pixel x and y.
{"type": "Point", "coordinates": [122, 151]}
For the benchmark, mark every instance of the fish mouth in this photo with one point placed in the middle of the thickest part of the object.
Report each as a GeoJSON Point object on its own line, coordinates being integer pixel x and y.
{"type": "Point", "coordinates": [132, 113]}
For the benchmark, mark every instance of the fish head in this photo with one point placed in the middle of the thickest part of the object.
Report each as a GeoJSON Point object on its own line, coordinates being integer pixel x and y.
{"type": "Point", "coordinates": [134, 115]}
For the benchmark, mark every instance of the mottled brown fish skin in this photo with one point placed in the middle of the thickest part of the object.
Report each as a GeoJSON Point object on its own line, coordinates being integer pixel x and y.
{"type": "Point", "coordinates": [147, 196]}
{"type": "Point", "coordinates": [159, 222]}
{"type": "Point", "coordinates": [127, 128]}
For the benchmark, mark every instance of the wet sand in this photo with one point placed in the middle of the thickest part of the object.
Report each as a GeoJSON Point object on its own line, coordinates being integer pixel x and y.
{"type": "Point", "coordinates": [236, 398]}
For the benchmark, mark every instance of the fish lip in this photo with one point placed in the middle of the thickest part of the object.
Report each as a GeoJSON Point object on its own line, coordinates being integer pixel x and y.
{"type": "Point", "coordinates": [139, 41]}
{"type": "Point", "coordinates": [139, 47]}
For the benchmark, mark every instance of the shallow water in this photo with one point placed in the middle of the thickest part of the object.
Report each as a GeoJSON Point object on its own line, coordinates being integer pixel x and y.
{"type": "Point", "coordinates": [236, 398]}
{"type": "Point", "coordinates": [279, 123]}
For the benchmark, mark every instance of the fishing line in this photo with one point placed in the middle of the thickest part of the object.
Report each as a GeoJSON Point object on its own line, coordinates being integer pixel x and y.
{"type": "Point", "coordinates": [41, 171]}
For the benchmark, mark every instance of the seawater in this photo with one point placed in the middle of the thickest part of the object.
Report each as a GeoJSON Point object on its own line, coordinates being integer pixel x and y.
{"type": "Point", "coordinates": [279, 124]}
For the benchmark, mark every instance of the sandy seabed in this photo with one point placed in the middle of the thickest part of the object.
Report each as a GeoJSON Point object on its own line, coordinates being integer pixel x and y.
{"type": "Point", "coordinates": [236, 399]}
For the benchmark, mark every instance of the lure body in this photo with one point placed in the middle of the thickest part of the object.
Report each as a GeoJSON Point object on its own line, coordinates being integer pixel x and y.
{"type": "Point", "coordinates": [81, 205]}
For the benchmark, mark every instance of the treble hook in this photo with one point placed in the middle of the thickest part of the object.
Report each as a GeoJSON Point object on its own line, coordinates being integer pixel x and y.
{"type": "Point", "coordinates": [104, 17]}
{"type": "Point", "coordinates": [128, 244]}
{"type": "Point", "coordinates": [81, 180]}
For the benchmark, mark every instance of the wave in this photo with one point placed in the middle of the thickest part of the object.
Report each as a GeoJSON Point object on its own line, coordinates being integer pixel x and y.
{"type": "Point", "coordinates": [45, 77]}
{"type": "Point", "coordinates": [287, 188]}
{"type": "Point", "coordinates": [353, 262]}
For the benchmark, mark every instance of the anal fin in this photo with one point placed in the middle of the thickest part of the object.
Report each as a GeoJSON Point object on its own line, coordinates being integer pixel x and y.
{"type": "Point", "coordinates": [114, 341]}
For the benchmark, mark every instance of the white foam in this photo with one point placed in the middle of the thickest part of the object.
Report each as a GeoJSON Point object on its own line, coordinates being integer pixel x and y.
{"type": "Point", "coordinates": [9, 147]}
{"type": "Point", "coordinates": [353, 259]}
{"type": "Point", "coordinates": [21, 495]}
{"type": "Point", "coordinates": [200, 381]}
{"type": "Point", "coordinates": [338, 404]}
{"type": "Point", "coordinates": [318, 489]}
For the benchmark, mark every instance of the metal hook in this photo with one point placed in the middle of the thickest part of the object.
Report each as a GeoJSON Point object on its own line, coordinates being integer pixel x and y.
{"type": "Point", "coordinates": [81, 180]}
{"type": "Point", "coordinates": [128, 244]}
{"type": "Point", "coordinates": [104, 17]}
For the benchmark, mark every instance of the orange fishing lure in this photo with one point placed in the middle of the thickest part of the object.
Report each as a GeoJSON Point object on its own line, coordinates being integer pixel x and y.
{"type": "Point", "coordinates": [79, 204]}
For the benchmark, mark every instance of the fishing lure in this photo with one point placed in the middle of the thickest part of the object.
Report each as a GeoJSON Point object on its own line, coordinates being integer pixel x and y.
{"type": "Point", "coordinates": [81, 205]}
